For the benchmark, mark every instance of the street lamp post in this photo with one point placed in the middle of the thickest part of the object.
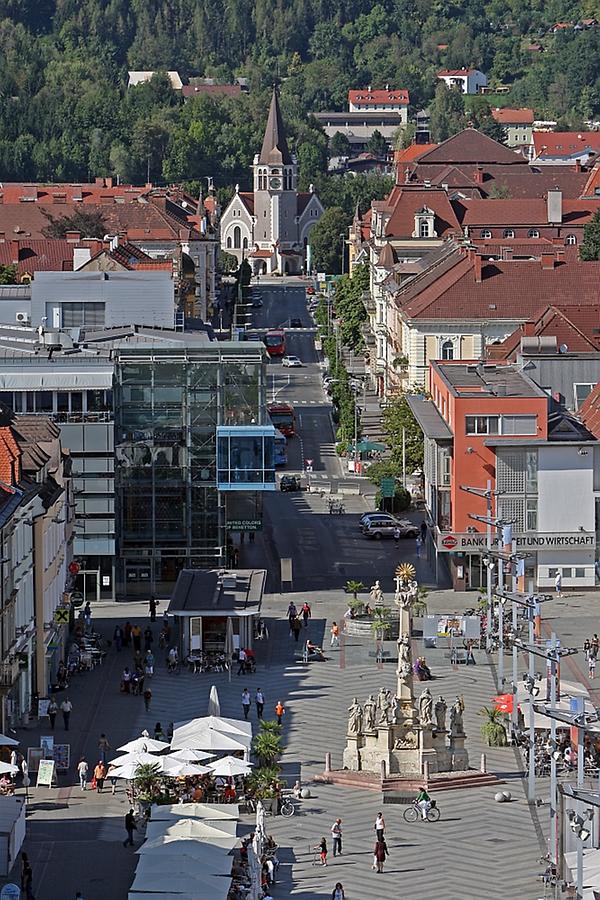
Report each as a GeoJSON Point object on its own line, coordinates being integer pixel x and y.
{"type": "Point", "coordinates": [343, 240]}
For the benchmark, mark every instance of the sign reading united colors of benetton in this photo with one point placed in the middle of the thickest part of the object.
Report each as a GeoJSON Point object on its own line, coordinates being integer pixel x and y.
{"type": "Point", "coordinates": [464, 542]}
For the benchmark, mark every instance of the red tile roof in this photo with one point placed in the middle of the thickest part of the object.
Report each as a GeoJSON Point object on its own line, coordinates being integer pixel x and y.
{"type": "Point", "coordinates": [444, 73]}
{"type": "Point", "coordinates": [589, 412]}
{"type": "Point", "coordinates": [516, 289]}
{"type": "Point", "coordinates": [471, 146]}
{"type": "Point", "coordinates": [573, 326]}
{"type": "Point", "coordinates": [405, 202]}
{"type": "Point", "coordinates": [367, 97]}
{"type": "Point", "coordinates": [413, 152]}
{"type": "Point", "coordinates": [44, 255]}
{"type": "Point", "coordinates": [247, 198]}
{"type": "Point", "coordinates": [522, 212]}
{"type": "Point", "coordinates": [211, 90]}
{"type": "Point", "coordinates": [508, 116]}
{"type": "Point", "coordinates": [10, 457]}
{"type": "Point", "coordinates": [565, 143]}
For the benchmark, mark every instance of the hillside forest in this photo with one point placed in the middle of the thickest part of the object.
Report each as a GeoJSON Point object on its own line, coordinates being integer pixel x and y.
{"type": "Point", "coordinates": [66, 112]}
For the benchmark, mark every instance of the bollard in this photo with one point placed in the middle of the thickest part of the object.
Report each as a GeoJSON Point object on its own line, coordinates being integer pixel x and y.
{"type": "Point", "coordinates": [483, 767]}
{"type": "Point", "coordinates": [426, 770]}
{"type": "Point", "coordinates": [383, 770]}
{"type": "Point", "coordinates": [328, 762]}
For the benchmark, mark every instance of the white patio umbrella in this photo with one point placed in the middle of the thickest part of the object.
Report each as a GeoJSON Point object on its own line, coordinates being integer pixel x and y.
{"type": "Point", "coordinates": [144, 745]}
{"type": "Point", "coordinates": [178, 768]}
{"type": "Point", "coordinates": [128, 771]}
{"type": "Point", "coordinates": [191, 755]}
{"type": "Point", "coordinates": [7, 741]}
{"type": "Point", "coordinates": [207, 811]}
{"type": "Point", "coordinates": [205, 739]}
{"type": "Point", "coordinates": [230, 766]}
{"type": "Point", "coordinates": [214, 706]}
{"type": "Point", "coordinates": [220, 723]}
{"type": "Point", "coordinates": [139, 759]}
{"type": "Point", "coordinates": [187, 829]}
{"type": "Point", "coordinates": [7, 769]}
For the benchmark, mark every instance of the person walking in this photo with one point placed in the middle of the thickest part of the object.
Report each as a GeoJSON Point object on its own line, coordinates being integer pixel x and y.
{"type": "Point", "coordinates": [423, 532]}
{"type": "Point", "coordinates": [130, 827]}
{"type": "Point", "coordinates": [379, 854]}
{"type": "Point", "coordinates": [148, 639]}
{"type": "Point", "coordinates": [136, 637]}
{"type": "Point", "coordinates": [379, 826]}
{"type": "Point", "coordinates": [26, 876]}
{"type": "Point", "coordinates": [322, 848]}
{"type": "Point", "coordinates": [87, 614]}
{"type": "Point", "coordinates": [558, 584]}
{"type": "Point", "coordinates": [241, 662]}
{"type": "Point", "coordinates": [118, 637]}
{"type": "Point", "coordinates": [338, 892]}
{"type": "Point", "coordinates": [292, 613]}
{"type": "Point", "coordinates": [149, 664]}
{"type": "Point", "coordinates": [306, 613]}
{"type": "Point", "coordinates": [396, 535]}
{"type": "Point", "coordinates": [296, 627]}
{"type": "Point", "coordinates": [52, 713]}
{"type": "Point", "coordinates": [335, 634]}
{"type": "Point", "coordinates": [103, 746]}
{"type": "Point", "coordinates": [336, 837]}
{"type": "Point", "coordinates": [66, 708]}
{"type": "Point", "coordinates": [592, 665]}
{"type": "Point", "coordinates": [259, 699]}
{"type": "Point", "coordinates": [279, 711]}
{"type": "Point", "coordinates": [152, 604]}
{"type": "Point", "coordinates": [418, 545]}
{"type": "Point", "coordinates": [83, 771]}
{"type": "Point", "coordinates": [127, 634]}
{"type": "Point", "coordinates": [126, 681]}
{"type": "Point", "coordinates": [147, 699]}
{"type": "Point", "coordinates": [99, 776]}
{"type": "Point", "coordinates": [246, 702]}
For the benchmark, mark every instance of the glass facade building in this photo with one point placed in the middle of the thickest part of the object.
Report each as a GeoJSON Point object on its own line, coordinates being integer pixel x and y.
{"type": "Point", "coordinates": [171, 505]}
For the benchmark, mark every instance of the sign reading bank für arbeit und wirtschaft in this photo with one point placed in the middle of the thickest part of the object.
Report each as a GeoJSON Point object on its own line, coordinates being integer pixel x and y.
{"type": "Point", "coordinates": [453, 542]}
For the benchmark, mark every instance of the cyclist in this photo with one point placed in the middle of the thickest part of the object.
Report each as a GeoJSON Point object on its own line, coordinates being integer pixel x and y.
{"type": "Point", "coordinates": [423, 801]}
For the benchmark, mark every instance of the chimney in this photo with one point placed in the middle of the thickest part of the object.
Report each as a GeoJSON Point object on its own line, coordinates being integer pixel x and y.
{"type": "Point", "coordinates": [73, 237]}
{"type": "Point", "coordinates": [578, 165]}
{"type": "Point", "coordinates": [554, 207]}
{"type": "Point", "coordinates": [108, 182]}
{"type": "Point", "coordinates": [478, 175]}
{"type": "Point", "coordinates": [14, 253]}
{"type": "Point", "coordinates": [2, 237]}
{"type": "Point", "coordinates": [547, 260]}
{"type": "Point", "coordinates": [477, 268]}
{"type": "Point", "coordinates": [507, 253]}
{"type": "Point", "coordinates": [99, 182]}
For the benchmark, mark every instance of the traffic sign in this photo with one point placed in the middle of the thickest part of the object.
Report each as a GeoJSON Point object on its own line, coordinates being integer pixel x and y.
{"type": "Point", "coordinates": [388, 487]}
{"type": "Point", "coordinates": [74, 568]}
{"type": "Point", "coordinates": [309, 462]}
{"type": "Point", "coordinates": [309, 468]}
{"type": "Point", "coordinates": [10, 892]}
{"type": "Point", "coordinates": [61, 615]}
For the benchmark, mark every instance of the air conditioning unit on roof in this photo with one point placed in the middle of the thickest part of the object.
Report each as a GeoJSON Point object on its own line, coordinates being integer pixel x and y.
{"type": "Point", "coordinates": [23, 318]}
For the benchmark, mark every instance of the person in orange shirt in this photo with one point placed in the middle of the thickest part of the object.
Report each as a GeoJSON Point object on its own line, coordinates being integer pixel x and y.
{"type": "Point", "coordinates": [335, 634]}
{"type": "Point", "coordinates": [279, 711]}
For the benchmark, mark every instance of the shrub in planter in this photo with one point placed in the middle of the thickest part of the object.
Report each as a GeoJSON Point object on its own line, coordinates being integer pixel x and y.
{"type": "Point", "coordinates": [493, 729]}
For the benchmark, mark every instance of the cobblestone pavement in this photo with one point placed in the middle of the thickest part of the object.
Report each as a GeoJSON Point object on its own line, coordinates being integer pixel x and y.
{"type": "Point", "coordinates": [478, 849]}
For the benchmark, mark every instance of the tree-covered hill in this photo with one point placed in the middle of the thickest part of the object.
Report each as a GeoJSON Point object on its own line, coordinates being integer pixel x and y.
{"type": "Point", "coordinates": [66, 113]}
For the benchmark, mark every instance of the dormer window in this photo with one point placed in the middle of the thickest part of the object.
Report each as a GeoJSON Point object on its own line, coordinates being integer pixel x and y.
{"type": "Point", "coordinates": [424, 223]}
{"type": "Point", "coordinates": [424, 229]}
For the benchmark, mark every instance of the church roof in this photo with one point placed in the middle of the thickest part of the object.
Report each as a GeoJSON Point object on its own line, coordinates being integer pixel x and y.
{"type": "Point", "coordinates": [275, 148]}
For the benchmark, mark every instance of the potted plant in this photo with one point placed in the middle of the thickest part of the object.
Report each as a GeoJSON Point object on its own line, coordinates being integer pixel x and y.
{"type": "Point", "coordinates": [381, 623]}
{"type": "Point", "coordinates": [267, 747]}
{"type": "Point", "coordinates": [493, 729]}
{"type": "Point", "coordinates": [147, 783]}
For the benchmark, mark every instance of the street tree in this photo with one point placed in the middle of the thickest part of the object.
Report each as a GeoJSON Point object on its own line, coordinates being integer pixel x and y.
{"type": "Point", "coordinates": [326, 240]}
{"type": "Point", "coordinates": [446, 113]}
{"type": "Point", "coordinates": [339, 145]}
{"type": "Point", "coordinates": [590, 248]}
{"type": "Point", "coordinates": [377, 145]}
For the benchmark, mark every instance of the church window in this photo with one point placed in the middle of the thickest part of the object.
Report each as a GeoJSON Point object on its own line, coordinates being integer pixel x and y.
{"type": "Point", "coordinates": [237, 237]}
{"type": "Point", "coordinates": [229, 242]}
{"type": "Point", "coordinates": [245, 243]}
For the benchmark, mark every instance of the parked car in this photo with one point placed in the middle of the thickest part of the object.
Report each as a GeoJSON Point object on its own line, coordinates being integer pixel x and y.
{"type": "Point", "coordinates": [379, 529]}
{"type": "Point", "coordinates": [296, 323]}
{"type": "Point", "coordinates": [292, 362]}
{"type": "Point", "coordinates": [290, 483]}
{"type": "Point", "coordinates": [366, 518]}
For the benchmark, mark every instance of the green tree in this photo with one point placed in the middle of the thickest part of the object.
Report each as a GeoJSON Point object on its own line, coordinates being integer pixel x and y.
{"type": "Point", "coordinates": [339, 145]}
{"type": "Point", "coordinates": [8, 275]}
{"type": "Point", "coordinates": [446, 113]}
{"type": "Point", "coordinates": [590, 247]}
{"type": "Point", "coordinates": [89, 224]}
{"type": "Point", "coordinates": [377, 144]}
{"type": "Point", "coordinates": [398, 420]}
{"type": "Point", "coordinates": [326, 240]}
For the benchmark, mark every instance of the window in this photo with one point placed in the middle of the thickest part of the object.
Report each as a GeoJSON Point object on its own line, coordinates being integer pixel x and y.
{"type": "Point", "coordinates": [533, 233]}
{"type": "Point", "coordinates": [423, 229]}
{"type": "Point", "coordinates": [448, 350]}
{"type": "Point", "coordinates": [245, 243]}
{"type": "Point", "coordinates": [519, 425]}
{"type": "Point", "coordinates": [581, 392]}
{"type": "Point", "coordinates": [570, 240]}
{"type": "Point", "coordinates": [567, 573]}
{"type": "Point", "coordinates": [45, 402]}
{"type": "Point", "coordinates": [229, 242]}
{"type": "Point", "coordinates": [552, 573]}
{"type": "Point", "coordinates": [237, 237]}
{"type": "Point", "coordinates": [531, 464]}
{"type": "Point", "coordinates": [76, 401]}
{"type": "Point", "coordinates": [446, 469]}
{"type": "Point", "coordinates": [485, 233]}
{"type": "Point", "coordinates": [531, 506]}
{"type": "Point", "coordinates": [508, 233]}
{"type": "Point", "coordinates": [481, 424]}
{"type": "Point", "coordinates": [579, 573]}
{"type": "Point", "coordinates": [75, 314]}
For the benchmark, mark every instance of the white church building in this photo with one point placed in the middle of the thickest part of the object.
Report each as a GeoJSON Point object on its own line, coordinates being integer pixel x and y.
{"type": "Point", "coordinates": [270, 225]}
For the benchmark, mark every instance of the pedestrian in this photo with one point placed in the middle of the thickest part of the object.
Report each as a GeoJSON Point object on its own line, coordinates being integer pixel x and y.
{"type": "Point", "coordinates": [322, 848]}
{"type": "Point", "coordinates": [259, 699]}
{"type": "Point", "coordinates": [296, 627]}
{"type": "Point", "coordinates": [335, 635]}
{"type": "Point", "coordinates": [595, 645]}
{"type": "Point", "coordinates": [136, 636]}
{"type": "Point", "coordinates": [558, 584]}
{"type": "Point", "coordinates": [418, 545]}
{"type": "Point", "coordinates": [379, 826]}
{"type": "Point", "coordinates": [147, 699]}
{"type": "Point", "coordinates": [130, 827]}
{"type": "Point", "coordinates": [423, 531]}
{"type": "Point", "coordinates": [338, 892]}
{"type": "Point", "coordinates": [126, 681]}
{"type": "Point", "coordinates": [14, 760]}
{"type": "Point", "coordinates": [127, 634]}
{"type": "Point", "coordinates": [279, 711]}
{"type": "Point", "coordinates": [103, 746]}
{"type": "Point", "coordinates": [148, 638]}
{"type": "Point", "coordinates": [66, 708]}
{"type": "Point", "coordinates": [83, 771]}
{"type": "Point", "coordinates": [99, 776]}
{"type": "Point", "coordinates": [118, 637]}
{"type": "Point", "coordinates": [152, 604]}
{"type": "Point", "coordinates": [396, 534]}
{"type": "Point", "coordinates": [158, 732]}
{"type": "Point", "coordinates": [87, 614]}
{"type": "Point", "coordinates": [149, 664]}
{"type": "Point", "coordinates": [306, 613]}
{"type": "Point", "coordinates": [52, 712]}
{"type": "Point", "coordinates": [292, 612]}
{"type": "Point", "coordinates": [379, 854]}
{"type": "Point", "coordinates": [242, 662]}
{"type": "Point", "coordinates": [336, 837]}
{"type": "Point", "coordinates": [246, 702]}
{"type": "Point", "coordinates": [592, 665]}
{"type": "Point", "coordinates": [26, 876]}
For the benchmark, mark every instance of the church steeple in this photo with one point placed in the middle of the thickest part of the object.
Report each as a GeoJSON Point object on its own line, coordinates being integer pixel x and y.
{"type": "Point", "coordinates": [274, 148]}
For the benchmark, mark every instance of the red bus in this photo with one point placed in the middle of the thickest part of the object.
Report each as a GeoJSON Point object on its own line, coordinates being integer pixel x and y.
{"type": "Point", "coordinates": [283, 417]}
{"type": "Point", "coordinates": [275, 342]}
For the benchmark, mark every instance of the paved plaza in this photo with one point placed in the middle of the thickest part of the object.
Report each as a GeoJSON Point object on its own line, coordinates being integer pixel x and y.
{"type": "Point", "coordinates": [479, 848]}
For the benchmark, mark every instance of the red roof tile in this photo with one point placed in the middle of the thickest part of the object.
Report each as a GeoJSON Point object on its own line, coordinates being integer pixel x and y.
{"type": "Point", "coordinates": [211, 90]}
{"type": "Point", "coordinates": [247, 198]}
{"type": "Point", "coordinates": [406, 202]}
{"type": "Point", "coordinates": [412, 152]}
{"type": "Point", "coordinates": [366, 97]}
{"type": "Point", "coordinates": [471, 146]}
{"type": "Point", "coordinates": [589, 412]}
{"type": "Point", "coordinates": [573, 326]}
{"type": "Point", "coordinates": [523, 212]}
{"type": "Point", "coordinates": [507, 116]}
{"type": "Point", "coordinates": [565, 143]}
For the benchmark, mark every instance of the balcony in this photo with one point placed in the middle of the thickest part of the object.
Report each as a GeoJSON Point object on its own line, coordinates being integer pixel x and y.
{"type": "Point", "coordinates": [9, 672]}
{"type": "Point", "coordinates": [369, 302]}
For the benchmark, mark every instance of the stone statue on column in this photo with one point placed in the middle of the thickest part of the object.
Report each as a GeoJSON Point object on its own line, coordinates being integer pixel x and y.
{"type": "Point", "coordinates": [385, 707]}
{"type": "Point", "coordinates": [369, 712]}
{"type": "Point", "coordinates": [456, 717]}
{"type": "Point", "coordinates": [426, 708]}
{"type": "Point", "coordinates": [376, 594]}
{"type": "Point", "coordinates": [440, 709]}
{"type": "Point", "coordinates": [404, 655]}
{"type": "Point", "coordinates": [355, 719]}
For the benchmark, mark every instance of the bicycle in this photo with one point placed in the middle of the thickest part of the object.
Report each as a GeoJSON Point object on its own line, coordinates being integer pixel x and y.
{"type": "Point", "coordinates": [413, 813]}
{"type": "Point", "coordinates": [287, 808]}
